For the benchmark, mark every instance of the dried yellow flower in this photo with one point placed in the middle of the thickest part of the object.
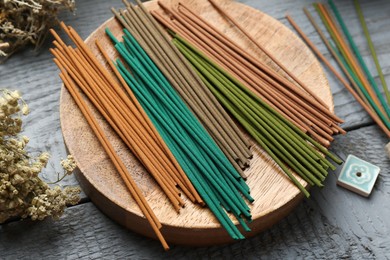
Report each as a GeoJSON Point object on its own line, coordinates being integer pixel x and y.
{"type": "Point", "coordinates": [22, 192]}
{"type": "Point", "coordinates": [25, 22]}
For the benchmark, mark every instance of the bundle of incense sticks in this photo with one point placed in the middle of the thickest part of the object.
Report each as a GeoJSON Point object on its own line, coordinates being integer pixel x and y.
{"type": "Point", "coordinates": [213, 176]}
{"type": "Point", "coordinates": [288, 144]}
{"type": "Point", "coordinates": [284, 142]}
{"type": "Point", "coordinates": [154, 41]}
{"type": "Point", "coordinates": [343, 48]}
{"type": "Point", "coordinates": [291, 100]}
{"type": "Point", "coordinates": [81, 72]}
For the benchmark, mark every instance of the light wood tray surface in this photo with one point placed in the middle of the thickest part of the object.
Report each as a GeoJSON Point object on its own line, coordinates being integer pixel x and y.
{"type": "Point", "coordinates": [275, 196]}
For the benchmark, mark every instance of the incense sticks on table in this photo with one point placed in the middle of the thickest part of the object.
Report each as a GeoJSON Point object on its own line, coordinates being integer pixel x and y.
{"type": "Point", "coordinates": [296, 105]}
{"type": "Point", "coordinates": [147, 32]}
{"type": "Point", "coordinates": [342, 80]}
{"type": "Point", "coordinates": [372, 49]}
{"type": "Point", "coordinates": [147, 51]}
{"type": "Point", "coordinates": [285, 143]}
{"type": "Point", "coordinates": [172, 116]}
{"type": "Point", "coordinates": [206, 166]}
{"type": "Point", "coordinates": [82, 72]}
{"type": "Point", "coordinates": [363, 87]}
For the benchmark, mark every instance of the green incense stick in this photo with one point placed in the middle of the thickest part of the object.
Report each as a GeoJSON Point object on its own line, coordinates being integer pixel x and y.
{"type": "Point", "coordinates": [234, 102]}
{"type": "Point", "coordinates": [218, 81]}
{"type": "Point", "coordinates": [372, 49]}
{"type": "Point", "coordinates": [250, 93]}
{"type": "Point", "coordinates": [201, 187]}
{"type": "Point", "coordinates": [359, 56]}
{"type": "Point", "coordinates": [330, 49]}
{"type": "Point", "coordinates": [257, 137]}
{"type": "Point", "coordinates": [164, 108]}
{"type": "Point", "coordinates": [345, 62]}
{"type": "Point", "coordinates": [253, 113]}
{"type": "Point", "coordinates": [362, 89]}
{"type": "Point", "coordinates": [334, 37]}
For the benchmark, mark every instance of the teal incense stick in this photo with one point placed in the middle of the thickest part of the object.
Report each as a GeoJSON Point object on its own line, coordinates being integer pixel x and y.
{"type": "Point", "coordinates": [216, 180]}
{"type": "Point", "coordinates": [359, 56]}
{"type": "Point", "coordinates": [264, 126]}
{"type": "Point", "coordinates": [362, 89]}
{"type": "Point", "coordinates": [372, 49]}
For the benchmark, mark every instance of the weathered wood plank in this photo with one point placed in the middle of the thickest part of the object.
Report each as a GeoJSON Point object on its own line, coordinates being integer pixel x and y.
{"type": "Point", "coordinates": [334, 223]}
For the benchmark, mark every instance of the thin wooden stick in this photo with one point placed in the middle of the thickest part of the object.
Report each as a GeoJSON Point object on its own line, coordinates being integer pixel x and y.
{"type": "Point", "coordinates": [143, 157]}
{"type": "Point", "coordinates": [185, 90]}
{"type": "Point", "coordinates": [189, 72]}
{"type": "Point", "coordinates": [330, 49]}
{"type": "Point", "coordinates": [359, 57]}
{"type": "Point", "coordinates": [348, 71]}
{"type": "Point", "coordinates": [257, 84]}
{"type": "Point", "coordinates": [109, 79]}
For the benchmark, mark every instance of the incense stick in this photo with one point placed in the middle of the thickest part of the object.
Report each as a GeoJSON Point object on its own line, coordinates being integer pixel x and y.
{"type": "Point", "coordinates": [232, 62]}
{"type": "Point", "coordinates": [136, 193]}
{"type": "Point", "coordinates": [372, 49]}
{"type": "Point", "coordinates": [359, 57]}
{"type": "Point", "coordinates": [352, 71]}
{"type": "Point", "coordinates": [347, 54]}
{"type": "Point", "coordinates": [177, 78]}
{"type": "Point", "coordinates": [267, 53]}
{"type": "Point", "coordinates": [223, 85]}
{"type": "Point", "coordinates": [340, 78]}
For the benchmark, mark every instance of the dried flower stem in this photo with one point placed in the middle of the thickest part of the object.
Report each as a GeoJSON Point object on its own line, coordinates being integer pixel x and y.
{"type": "Point", "coordinates": [24, 22]}
{"type": "Point", "coordinates": [22, 192]}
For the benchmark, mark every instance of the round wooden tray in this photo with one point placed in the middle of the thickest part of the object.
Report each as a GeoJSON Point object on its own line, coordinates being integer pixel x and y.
{"type": "Point", "coordinates": [275, 196]}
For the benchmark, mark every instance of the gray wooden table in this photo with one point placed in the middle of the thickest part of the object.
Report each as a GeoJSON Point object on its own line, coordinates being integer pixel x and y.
{"type": "Point", "coordinates": [334, 223]}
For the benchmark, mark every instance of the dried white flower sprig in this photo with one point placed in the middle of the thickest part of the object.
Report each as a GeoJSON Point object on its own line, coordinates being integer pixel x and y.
{"type": "Point", "coordinates": [25, 22]}
{"type": "Point", "coordinates": [22, 192]}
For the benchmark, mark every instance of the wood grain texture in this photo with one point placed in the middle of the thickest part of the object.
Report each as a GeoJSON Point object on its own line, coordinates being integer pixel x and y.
{"type": "Point", "coordinates": [274, 194]}
{"type": "Point", "coordinates": [334, 224]}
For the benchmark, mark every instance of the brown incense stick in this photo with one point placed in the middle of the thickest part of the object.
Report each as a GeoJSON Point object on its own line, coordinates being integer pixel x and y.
{"type": "Point", "coordinates": [154, 168]}
{"type": "Point", "coordinates": [182, 175]}
{"type": "Point", "coordinates": [226, 60]}
{"type": "Point", "coordinates": [247, 71]}
{"type": "Point", "coordinates": [335, 56]}
{"type": "Point", "coordinates": [171, 68]}
{"type": "Point", "coordinates": [167, 184]}
{"type": "Point", "coordinates": [132, 187]}
{"type": "Point", "coordinates": [208, 97]}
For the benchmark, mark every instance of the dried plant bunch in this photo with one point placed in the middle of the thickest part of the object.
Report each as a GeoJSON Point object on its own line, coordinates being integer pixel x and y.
{"type": "Point", "coordinates": [22, 192]}
{"type": "Point", "coordinates": [24, 22]}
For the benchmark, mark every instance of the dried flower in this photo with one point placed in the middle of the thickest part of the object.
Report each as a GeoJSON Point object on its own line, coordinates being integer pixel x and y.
{"type": "Point", "coordinates": [25, 22]}
{"type": "Point", "coordinates": [22, 192]}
